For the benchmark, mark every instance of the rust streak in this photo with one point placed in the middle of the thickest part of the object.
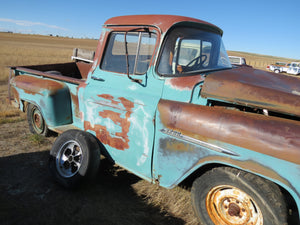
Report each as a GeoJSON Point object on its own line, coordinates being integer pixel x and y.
{"type": "Point", "coordinates": [15, 94]}
{"type": "Point", "coordinates": [185, 83]}
{"type": "Point", "coordinates": [164, 22]}
{"type": "Point", "coordinates": [247, 86]}
{"type": "Point", "coordinates": [269, 135]}
{"type": "Point", "coordinates": [35, 85]}
{"type": "Point", "coordinates": [177, 146]}
{"type": "Point", "coordinates": [119, 140]}
{"type": "Point", "coordinates": [109, 97]}
{"type": "Point", "coordinates": [105, 137]}
{"type": "Point", "coordinates": [75, 102]}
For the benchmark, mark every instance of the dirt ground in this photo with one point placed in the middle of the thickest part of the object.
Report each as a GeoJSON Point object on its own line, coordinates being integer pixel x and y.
{"type": "Point", "coordinates": [29, 195]}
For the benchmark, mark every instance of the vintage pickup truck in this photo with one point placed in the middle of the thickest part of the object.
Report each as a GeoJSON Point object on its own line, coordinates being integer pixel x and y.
{"type": "Point", "coordinates": [162, 100]}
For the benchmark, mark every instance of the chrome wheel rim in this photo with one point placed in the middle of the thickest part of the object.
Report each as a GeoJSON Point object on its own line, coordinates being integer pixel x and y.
{"type": "Point", "coordinates": [69, 159]}
{"type": "Point", "coordinates": [229, 205]}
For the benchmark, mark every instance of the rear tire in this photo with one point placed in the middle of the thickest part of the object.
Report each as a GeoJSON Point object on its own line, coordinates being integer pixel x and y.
{"type": "Point", "coordinates": [74, 158]}
{"type": "Point", "coordinates": [36, 122]}
{"type": "Point", "coordinates": [227, 195]}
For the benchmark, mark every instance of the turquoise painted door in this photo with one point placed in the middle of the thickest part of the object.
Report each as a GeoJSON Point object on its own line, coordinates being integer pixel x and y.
{"type": "Point", "coordinates": [119, 109]}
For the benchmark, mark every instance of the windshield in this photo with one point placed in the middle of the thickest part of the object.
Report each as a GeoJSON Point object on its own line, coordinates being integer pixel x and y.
{"type": "Point", "coordinates": [189, 50]}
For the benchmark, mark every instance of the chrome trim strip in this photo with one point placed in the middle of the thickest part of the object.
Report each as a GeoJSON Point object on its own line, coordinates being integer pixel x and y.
{"type": "Point", "coordinates": [198, 142]}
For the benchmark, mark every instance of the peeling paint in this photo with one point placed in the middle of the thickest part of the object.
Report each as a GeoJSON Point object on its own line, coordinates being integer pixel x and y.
{"type": "Point", "coordinates": [184, 83]}
{"type": "Point", "coordinates": [118, 140]}
{"type": "Point", "coordinates": [273, 136]}
{"type": "Point", "coordinates": [35, 85]}
{"type": "Point", "coordinates": [257, 88]}
{"type": "Point", "coordinates": [164, 22]}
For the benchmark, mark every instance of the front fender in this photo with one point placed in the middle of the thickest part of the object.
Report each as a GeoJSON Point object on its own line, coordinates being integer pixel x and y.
{"type": "Point", "coordinates": [189, 137]}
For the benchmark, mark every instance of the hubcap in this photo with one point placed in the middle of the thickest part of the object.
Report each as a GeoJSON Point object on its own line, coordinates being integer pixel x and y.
{"type": "Point", "coordinates": [69, 159]}
{"type": "Point", "coordinates": [229, 205]}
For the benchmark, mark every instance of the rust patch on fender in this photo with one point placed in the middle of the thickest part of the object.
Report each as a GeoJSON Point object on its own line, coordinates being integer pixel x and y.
{"type": "Point", "coordinates": [118, 140]}
{"type": "Point", "coordinates": [268, 135]}
{"type": "Point", "coordinates": [15, 94]}
{"type": "Point", "coordinates": [35, 85]}
{"type": "Point", "coordinates": [184, 83]}
{"type": "Point", "coordinates": [172, 145]}
{"type": "Point", "coordinates": [75, 102]}
{"type": "Point", "coordinates": [256, 88]}
{"type": "Point", "coordinates": [109, 97]}
{"type": "Point", "coordinates": [105, 137]}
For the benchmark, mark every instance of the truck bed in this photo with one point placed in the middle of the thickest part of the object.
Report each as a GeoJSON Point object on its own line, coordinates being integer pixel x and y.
{"type": "Point", "coordinates": [74, 72]}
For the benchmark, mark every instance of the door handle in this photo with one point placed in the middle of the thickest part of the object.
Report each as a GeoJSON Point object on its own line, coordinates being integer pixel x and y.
{"type": "Point", "coordinates": [97, 78]}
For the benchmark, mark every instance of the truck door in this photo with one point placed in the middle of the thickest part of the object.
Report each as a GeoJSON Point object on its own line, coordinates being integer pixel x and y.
{"type": "Point", "coordinates": [122, 97]}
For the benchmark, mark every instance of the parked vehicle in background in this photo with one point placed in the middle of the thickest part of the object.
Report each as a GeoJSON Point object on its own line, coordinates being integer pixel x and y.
{"type": "Point", "coordinates": [278, 67]}
{"type": "Point", "coordinates": [238, 61]}
{"type": "Point", "coordinates": [290, 68]}
{"type": "Point", "coordinates": [161, 99]}
{"type": "Point", "coordinates": [294, 68]}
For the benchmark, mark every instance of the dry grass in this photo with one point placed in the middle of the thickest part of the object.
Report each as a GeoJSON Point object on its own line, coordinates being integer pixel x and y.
{"type": "Point", "coordinates": [176, 202]}
{"type": "Point", "coordinates": [20, 49]}
{"type": "Point", "coordinates": [8, 114]}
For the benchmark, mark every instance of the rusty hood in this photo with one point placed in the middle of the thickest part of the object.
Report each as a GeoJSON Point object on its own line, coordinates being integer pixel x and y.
{"type": "Point", "coordinates": [255, 88]}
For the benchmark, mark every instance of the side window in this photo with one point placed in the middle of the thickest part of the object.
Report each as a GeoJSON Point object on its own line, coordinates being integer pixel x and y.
{"type": "Point", "coordinates": [140, 46]}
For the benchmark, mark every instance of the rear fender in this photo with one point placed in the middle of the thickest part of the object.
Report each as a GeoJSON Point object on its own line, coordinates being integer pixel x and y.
{"type": "Point", "coordinates": [52, 97]}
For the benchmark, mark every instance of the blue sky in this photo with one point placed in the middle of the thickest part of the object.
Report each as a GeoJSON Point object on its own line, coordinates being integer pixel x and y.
{"type": "Point", "coordinates": [269, 27]}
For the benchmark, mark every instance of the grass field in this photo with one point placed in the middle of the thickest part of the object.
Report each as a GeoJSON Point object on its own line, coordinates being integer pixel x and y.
{"type": "Point", "coordinates": [20, 49]}
{"type": "Point", "coordinates": [144, 202]}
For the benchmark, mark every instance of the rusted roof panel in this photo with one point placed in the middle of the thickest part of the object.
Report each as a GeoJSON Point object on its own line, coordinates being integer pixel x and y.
{"type": "Point", "coordinates": [164, 22]}
{"type": "Point", "coordinates": [256, 88]}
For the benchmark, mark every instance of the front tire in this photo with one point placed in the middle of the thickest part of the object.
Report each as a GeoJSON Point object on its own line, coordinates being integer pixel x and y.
{"type": "Point", "coordinates": [227, 195]}
{"type": "Point", "coordinates": [74, 157]}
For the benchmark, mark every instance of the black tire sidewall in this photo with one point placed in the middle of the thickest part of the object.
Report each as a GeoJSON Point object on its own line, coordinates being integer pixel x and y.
{"type": "Point", "coordinates": [90, 157]}
{"type": "Point", "coordinates": [259, 192]}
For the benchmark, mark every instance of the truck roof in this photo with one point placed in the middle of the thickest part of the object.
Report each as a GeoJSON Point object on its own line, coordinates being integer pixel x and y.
{"type": "Point", "coordinates": [163, 22]}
